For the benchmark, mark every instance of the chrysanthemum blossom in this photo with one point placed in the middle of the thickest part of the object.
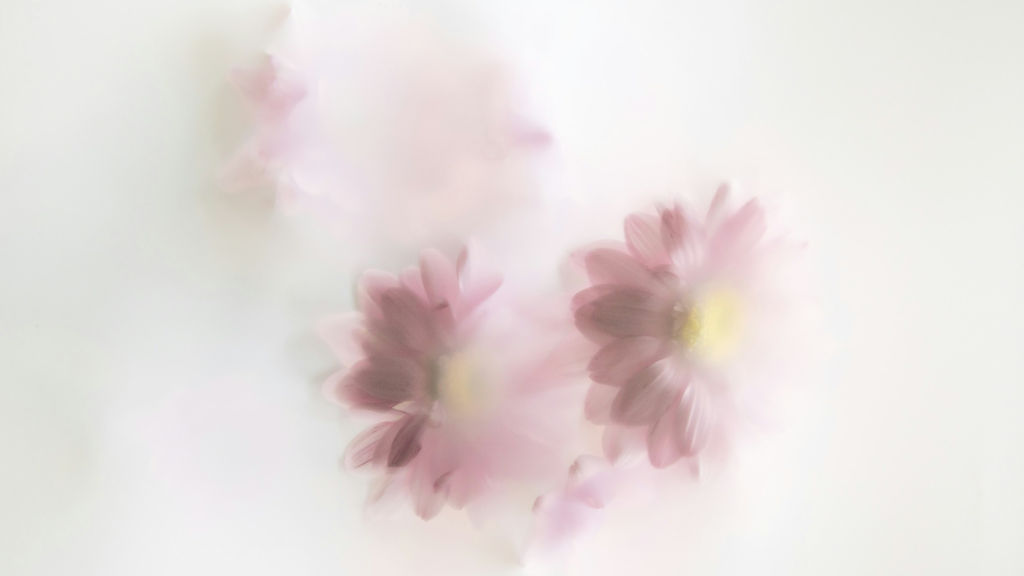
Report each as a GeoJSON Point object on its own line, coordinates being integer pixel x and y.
{"type": "Point", "coordinates": [469, 397]}
{"type": "Point", "coordinates": [387, 124]}
{"type": "Point", "coordinates": [689, 317]}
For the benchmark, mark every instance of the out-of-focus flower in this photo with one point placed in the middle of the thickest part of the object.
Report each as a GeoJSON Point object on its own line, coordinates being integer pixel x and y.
{"type": "Point", "coordinates": [564, 514]}
{"type": "Point", "coordinates": [387, 124]}
{"type": "Point", "coordinates": [689, 316]}
{"type": "Point", "coordinates": [471, 396]}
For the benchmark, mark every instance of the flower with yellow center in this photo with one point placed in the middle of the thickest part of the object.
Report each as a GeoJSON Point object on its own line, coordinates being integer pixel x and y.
{"type": "Point", "coordinates": [460, 384]}
{"type": "Point", "coordinates": [712, 325]}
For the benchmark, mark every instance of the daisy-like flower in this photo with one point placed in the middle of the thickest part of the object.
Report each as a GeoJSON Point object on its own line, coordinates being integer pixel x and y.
{"type": "Point", "coordinates": [465, 390]}
{"type": "Point", "coordinates": [687, 317]}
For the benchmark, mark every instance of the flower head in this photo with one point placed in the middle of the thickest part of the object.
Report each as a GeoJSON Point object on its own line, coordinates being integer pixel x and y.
{"type": "Point", "coordinates": [680, 313]}
{"type": "Point", "coordinates": [466, 398]}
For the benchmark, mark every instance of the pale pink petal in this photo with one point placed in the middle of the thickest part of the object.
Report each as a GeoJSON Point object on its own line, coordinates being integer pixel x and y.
{"type": "Point", "coordinates": [740, 232]}
{"type": "Point", "coordinates": [718, 209]}
{"type": "Point", "coordinates": [662, 445]}
{"type": "Point", "coordinates": [413, 280]}
{"type": "Point", "coordinates": [271, 88]}
{"type": "Point", "coordinates": [675, 228]}
{"type": "Point", "coordinates": [620, 360]}
{"type": "Point", "coordinates": [439, 278]}
{"type": "Point", "coordinates": [695, 419]}
{"type": "Point", "coordinates": [610, 266]}
{"type": "Point", "coordinates": [591, 481]}
{"type": "Point", "coordinates": [644, 240]}
{"type": "Point", "coordinates": [622, 443]}
{"type": "Point", "coordinates": [371, 446]}
{"type": "Point", "coordinates": [477, 280]}
{"type": "Point", "coordinates": [341, 334]}
{"type": "Point", "coordinates": [561, 519]}
{"type": "Point", "coordinates": [372, 284]}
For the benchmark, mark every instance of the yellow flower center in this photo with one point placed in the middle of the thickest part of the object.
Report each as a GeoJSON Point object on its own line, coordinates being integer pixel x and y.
{"type": "Point", "coordinates": [712, 325]}
{"type": "Point", "coordinates": [460, 384]}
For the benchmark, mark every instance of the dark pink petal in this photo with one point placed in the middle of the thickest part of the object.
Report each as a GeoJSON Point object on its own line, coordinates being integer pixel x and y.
{"type": "Point", "coordinates": [381, 383]}
{"type": "Point", "coordinates": [644, 240]}
{"type": "Point", "coordinates": [620, 360]}
{"type": "Point", "coordinates": [646, 396]}
{"type": "Point", "coordinates": [662, 446]}
{"type": "Point", "coordinates": [611, 266]}
{"type": "Point", "coordinates": [621, 313]}
{"type": "Point", "coordinates": [406, 444]}
{"type": "Point", "coordinates": [404, 321]}
{"type": "Point", "coordinates": [597, 406]}
{"type": "Point", "coordinates": [694, 421]}
{"type": "Point", "coordinates": [370, 447]}
{"type": "Point", "coordinates": [439, 278]}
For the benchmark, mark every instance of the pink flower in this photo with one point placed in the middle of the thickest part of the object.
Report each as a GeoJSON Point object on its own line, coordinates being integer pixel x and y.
{"type": "Point", "coordinates": [386, 124]}
{"type": "Point", "coordinates": [686, 315]}
{"type": "Point", "coordinates": [466, 390]}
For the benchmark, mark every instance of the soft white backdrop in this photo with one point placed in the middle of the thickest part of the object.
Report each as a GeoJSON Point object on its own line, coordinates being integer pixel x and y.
{"type": "Point", "coordinates": [158, 412]}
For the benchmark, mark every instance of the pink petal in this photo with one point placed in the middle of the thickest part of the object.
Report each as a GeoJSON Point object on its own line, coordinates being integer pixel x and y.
{"type": "Point", "coordinates": [439, 278]}
{"type": "Point", "coordinates": [372, 284]}
{"type": "Point", "coordinates": [620, 360]}
{"type": "Point", "coordinates": [694, 421]}
{"type": "Point", "coordinates": [644, 240]}
{"type": "Point", "coordinates": [271, 88]}
{"type": "Point", "coordinates": [598, 405]}
{"type": "Point", "coordinates": [675, 228]}
{"type": "Point", "coordinates": [662, 446]}
{"type": "Point", "coordinates": [646, 396]}
{"type": "Point", "coordinates": [719, 206]}
{"type": "Point", "coordinates": [406, 444]}
{"type": "Point", "coordinates": [477, 281]}
{"type": "Point", "coordinates": [428, 500]}
{"type": "Point", "coordinates": [591, 481]}
{"type": "Point", "coordinates": [622, 443]}
{"type": "Point", "coordinates": [412, 279]}
{"type": "Point", "coordinates": [381, 383]}
{"type": "Point", "coordinates": [611, 266]}
{"type": "Point", "coordinates": [740, 232]}
{"type": "Point", "coordinates": [604, 313]}
{"type": "Point", "coordinates": [404, 321]}
{"type": "Point", "coordinates": [371, 446]}
{"type": "Point", "coordinates": [341, 334]}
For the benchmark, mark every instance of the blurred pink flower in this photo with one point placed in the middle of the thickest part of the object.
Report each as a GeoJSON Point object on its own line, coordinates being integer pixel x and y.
{"type": "Point", "coordinates": [688, 320]}
{"type": "Point", "coordinates": [575, 507]}
{"type": "Point", "coordinates": [387, 124]}
{"type": "Point", "coordinates": [470, 395]}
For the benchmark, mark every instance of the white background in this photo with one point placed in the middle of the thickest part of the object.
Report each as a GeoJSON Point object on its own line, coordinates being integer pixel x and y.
{"type": "Point", "coordinates": [158, 412]}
